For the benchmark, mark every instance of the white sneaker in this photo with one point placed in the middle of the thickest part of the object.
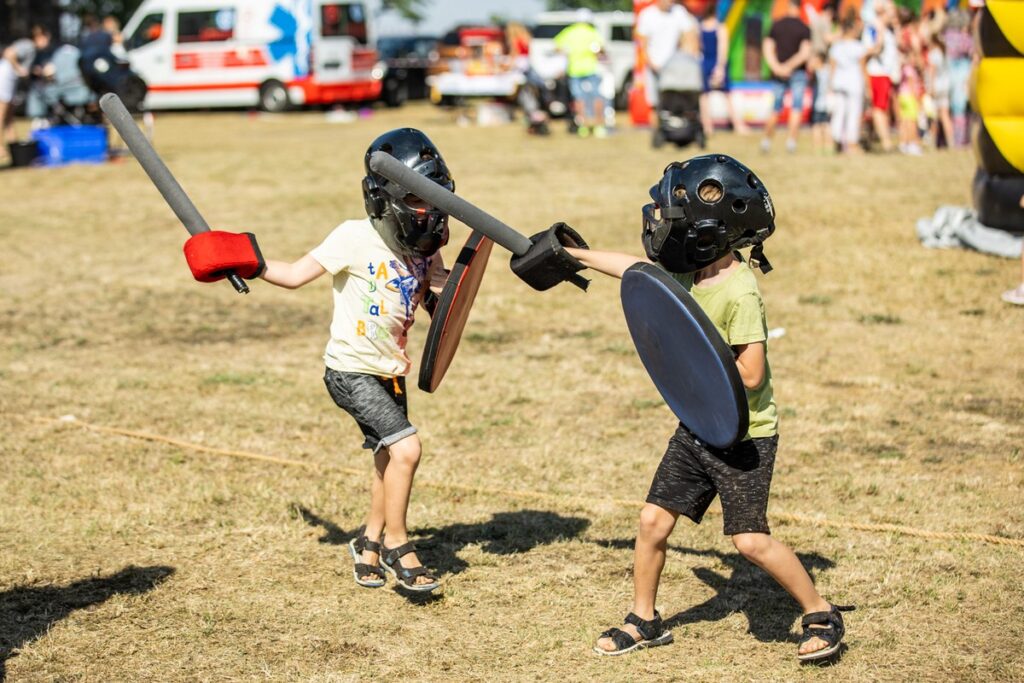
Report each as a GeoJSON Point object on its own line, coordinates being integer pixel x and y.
{"type": "Point", "coordinates": [914, 150]}
{"type": "Point", "coordinates": [766, 146]}
{"type": "Point", "coordinates": [790, 146]}
{"type": "Point", "coordinates": [1014, 296]}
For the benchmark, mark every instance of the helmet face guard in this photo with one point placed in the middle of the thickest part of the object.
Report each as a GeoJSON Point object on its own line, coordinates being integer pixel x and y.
{"type": "Point", "coordinates": [704, 209]}
{"type": "Point", "coordinates": [407, 224]}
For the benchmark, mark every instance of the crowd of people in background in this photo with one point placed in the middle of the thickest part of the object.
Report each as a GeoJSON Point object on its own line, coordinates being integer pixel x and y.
{"type": "Point", "coordinates": [53, 73]}
{"type": "Point", "coordinates": [910, 72]}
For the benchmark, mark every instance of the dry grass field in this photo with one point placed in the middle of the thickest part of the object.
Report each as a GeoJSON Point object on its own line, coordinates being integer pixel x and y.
{"type": "Point", "coordinates": [900, 381]}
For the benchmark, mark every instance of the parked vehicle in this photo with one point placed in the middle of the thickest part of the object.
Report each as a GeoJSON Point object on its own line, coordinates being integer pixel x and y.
{"type": "Point", "coordinates": [408, 59]}
{"type": "Point", "coordinates": [474, 62]}
{"type": "Point", "coordinates": [242, 53]}
{"type": "Point", "coordinates": [616, 28]}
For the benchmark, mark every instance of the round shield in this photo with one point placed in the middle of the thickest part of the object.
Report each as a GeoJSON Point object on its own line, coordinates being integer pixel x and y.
{"type": "Point", "coordinates": [452, 310]}
{"type": "Point", "coordinates": [686, 357]}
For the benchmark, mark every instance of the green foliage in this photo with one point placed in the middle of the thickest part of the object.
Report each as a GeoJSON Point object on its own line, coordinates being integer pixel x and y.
{"type": "Point", "coordinates": [596, 5]}
{"type": "Point", "coordinates": [409, 9]}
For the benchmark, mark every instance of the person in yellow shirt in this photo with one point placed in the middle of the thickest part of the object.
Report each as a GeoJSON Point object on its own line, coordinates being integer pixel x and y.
{"type": "Point", "coordinates": [582, 45]}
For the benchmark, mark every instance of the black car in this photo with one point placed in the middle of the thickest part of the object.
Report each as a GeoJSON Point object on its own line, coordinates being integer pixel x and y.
{"type": "Point", "coordinates": [408, 58]}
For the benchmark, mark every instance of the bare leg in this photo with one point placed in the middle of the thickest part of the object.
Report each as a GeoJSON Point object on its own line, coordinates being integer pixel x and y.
{"type": "Point", "coordinates": [738, 125]}
{"type": "Point", "coordinates": [375, 517]}
{"type": "Point", "coordinates": [656, 524]}
{"type": "Point", "coordinates": [947, 127]}
{"type": "Point", "coordinates": [880, 118]}
{"type": "Point", "coordinates": [404, 458]}
{"type": "Point", "coordinates": [795, 119]}
{"type": "Point", "coordinates": [769, 131]}
{"type": "Point", "coordinates": [705, 114]}
{"type": "Point", "coordinates": [782, 564]}
{"type": "Point", "coordinates": [6, 125]}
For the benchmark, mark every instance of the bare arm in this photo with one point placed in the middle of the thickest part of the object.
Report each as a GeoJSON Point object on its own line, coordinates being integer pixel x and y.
{"type": "Point", "coordinates": [438, 275]}
{"type": "Point", "coordinates": [768, 48]}
{"type": "Point", "coordinates": [612, 263]}
{"type": "Point", "coordinates": [750, 361]}
{"type": "Point", "coordinates": [293, 275]}
{"type": "Point", "coordinates": [800, 58]}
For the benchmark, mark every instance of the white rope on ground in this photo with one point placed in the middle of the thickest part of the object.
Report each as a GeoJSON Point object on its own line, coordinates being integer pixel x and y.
{"type": "Point", "coordinates": [786, 518]}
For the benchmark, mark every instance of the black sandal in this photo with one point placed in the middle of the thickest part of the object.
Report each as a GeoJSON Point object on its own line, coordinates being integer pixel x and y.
{"type": "Point", "coordinates": [360, 569]}
{"type": "Point", "coordinates": [406, 576]}
{"type": "Point", "coordinates": [830, 629]}
{"type": "Point", "coordinates": [652, 634]}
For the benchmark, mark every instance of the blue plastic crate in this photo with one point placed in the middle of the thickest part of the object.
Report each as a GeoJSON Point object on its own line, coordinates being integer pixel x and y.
{"type": "Point", "coordinates": [67, 144]}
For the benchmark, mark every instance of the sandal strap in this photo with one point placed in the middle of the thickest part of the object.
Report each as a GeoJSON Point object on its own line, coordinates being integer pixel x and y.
{"type": "Point", "coordinates": [648, 629]}
{"type": "Point", "coordinates": [367, 569]}
{"type": "Point", "coordinates": [364, 543]}
{"type": "Point", "coordinates": [621, 639]}
{"type": "Point", "coordinates": [827, 618]}
{"type": "Point", "coordinates": [391, 555]}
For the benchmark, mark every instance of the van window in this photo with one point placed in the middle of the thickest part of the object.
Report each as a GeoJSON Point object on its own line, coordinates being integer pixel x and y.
{"type": "Point", "coordinates": [343, 19]}
{"type": "Point", "coordinates": [149, 29]}
{"type": "Point", "coordinates": [622, 33]}
{"type": "Point", "coordinates": [548, 31]}
{"type": "Point", "coordinates": [208, 26]}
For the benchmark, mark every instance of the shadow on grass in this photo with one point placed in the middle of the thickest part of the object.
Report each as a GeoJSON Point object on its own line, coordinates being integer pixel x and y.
{"type": "Point", "coordinates": [27, 612]}
{"type": "Point", "coordinates": [506, 533]}
{"type": "Point", "coordinates": [769, 609]}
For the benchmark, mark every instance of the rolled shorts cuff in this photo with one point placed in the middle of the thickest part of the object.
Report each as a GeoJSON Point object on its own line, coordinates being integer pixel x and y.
{"type": "Point", "coordinates": [389, 440]}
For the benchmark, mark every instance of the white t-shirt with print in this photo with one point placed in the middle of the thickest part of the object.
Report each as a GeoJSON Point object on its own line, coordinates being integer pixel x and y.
{"type": "Point", "coordinates": [663, 31]}
{"type": "Point", "coordinates": [376, 293]}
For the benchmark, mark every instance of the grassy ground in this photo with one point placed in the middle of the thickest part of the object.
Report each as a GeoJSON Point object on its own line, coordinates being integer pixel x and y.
{"type": "Point", "coordinates": [900, 383]}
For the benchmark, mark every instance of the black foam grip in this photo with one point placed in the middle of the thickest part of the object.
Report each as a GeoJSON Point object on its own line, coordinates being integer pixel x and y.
{"type": "Point", "coordinates": [997, 199]}
{"type": "Point", "coordinates": [449, 202]}
{"type": "Point", "coordinates": [547, 263]}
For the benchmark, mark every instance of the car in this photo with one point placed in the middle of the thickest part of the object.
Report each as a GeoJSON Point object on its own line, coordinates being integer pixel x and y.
{"type": "Point", "coordinates": [615, 27]}
{"type": "Point", "coordinates": [408, 59]}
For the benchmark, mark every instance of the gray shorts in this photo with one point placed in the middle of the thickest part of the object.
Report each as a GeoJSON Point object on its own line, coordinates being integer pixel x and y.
{"type": "Point", "coordinates": [692, 473]}
{"type": "Point", "coordinates": [378, 405]}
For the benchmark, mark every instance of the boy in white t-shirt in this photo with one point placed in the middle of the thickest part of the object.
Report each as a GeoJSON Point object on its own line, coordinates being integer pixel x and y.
{"type": "Point", "coordinates": [383, 268]}
{"type": "Point", "coordinates": [664, 28]}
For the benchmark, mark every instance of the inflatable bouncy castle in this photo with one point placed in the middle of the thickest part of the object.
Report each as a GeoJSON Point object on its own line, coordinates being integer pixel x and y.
{"type": "Point", "coordinates": [997, 96]}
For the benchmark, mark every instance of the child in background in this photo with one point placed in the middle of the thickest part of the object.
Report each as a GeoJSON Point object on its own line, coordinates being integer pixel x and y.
{"type": "Point", "coordinates": [847, 57]}
{"type": "Point", "coordinates": [908, 97]}
{"type": "Point", "coordinates": [823, 35]}
{"type": "Point", "coordinates": [937, 83]}
{"type": "Point", "coordinates": [718, 206]}
{"type": "Point", "coordinates": [959, 53]}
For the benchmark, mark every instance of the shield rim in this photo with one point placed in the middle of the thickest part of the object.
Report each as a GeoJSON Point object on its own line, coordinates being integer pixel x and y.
{"type": "Point", "coordinates": [476, 244]}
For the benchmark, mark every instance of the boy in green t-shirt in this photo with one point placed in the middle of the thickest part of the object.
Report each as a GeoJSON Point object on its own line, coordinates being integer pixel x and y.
{"type": "Point", "coordinates": [704, 210]}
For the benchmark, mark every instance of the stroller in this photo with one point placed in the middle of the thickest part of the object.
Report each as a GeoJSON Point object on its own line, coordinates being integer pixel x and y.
{"type": "Point", "coordinates": [680, 85]}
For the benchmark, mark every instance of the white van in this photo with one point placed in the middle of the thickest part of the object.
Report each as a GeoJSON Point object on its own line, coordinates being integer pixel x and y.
{"type": "Point", "coordinates": [242, 53]}
{"type": "Point", "coordinates": [616, 28]}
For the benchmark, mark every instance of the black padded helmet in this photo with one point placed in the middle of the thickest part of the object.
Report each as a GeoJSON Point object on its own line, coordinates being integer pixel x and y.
{"type": "Point", "coordinates": [703, 209]}
{"type": "Point", "coordinates": [407, 225]}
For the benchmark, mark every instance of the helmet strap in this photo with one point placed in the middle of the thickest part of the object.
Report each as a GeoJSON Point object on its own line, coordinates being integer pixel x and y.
{"type": "Point", "coordinates": [758, 259]}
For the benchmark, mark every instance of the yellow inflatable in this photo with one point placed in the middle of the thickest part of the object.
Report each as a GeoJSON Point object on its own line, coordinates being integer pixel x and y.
{"type": "Point", "coordinates": [997, 96]}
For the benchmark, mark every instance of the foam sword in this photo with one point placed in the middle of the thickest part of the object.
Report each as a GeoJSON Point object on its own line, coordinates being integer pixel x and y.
{"type": "Point", "coordinates": [158, 172]}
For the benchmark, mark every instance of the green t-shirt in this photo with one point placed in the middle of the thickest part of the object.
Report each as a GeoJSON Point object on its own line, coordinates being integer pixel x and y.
{"type": "Point", "coordinates": [737, 310]}
{"type": "Point", "coordinates": [581, 43]}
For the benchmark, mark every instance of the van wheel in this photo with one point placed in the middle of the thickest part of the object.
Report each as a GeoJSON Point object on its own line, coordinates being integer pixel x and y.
{"type": "Point", "coordinates": [274, 97]}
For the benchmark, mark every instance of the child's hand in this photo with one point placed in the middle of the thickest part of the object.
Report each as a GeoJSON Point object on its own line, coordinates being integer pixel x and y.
{"type": "Point", "coordinates": [212, 255]}
{"type": "Point", "coordinates": [547, 263]}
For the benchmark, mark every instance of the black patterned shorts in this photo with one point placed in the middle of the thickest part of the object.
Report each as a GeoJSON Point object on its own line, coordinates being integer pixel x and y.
{"type": "Point", "coordinates": [692, 473]}
{"type": "Point", "coordinates": [378, 405]}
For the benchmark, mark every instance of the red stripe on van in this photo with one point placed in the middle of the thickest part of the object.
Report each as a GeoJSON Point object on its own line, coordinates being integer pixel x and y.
{"type": "Point", "coordinates": [186, 61]}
